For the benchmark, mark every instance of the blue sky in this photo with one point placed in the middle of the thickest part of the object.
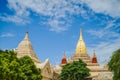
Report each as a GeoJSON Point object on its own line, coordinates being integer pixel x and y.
{"type": "Point", "coordinates": [54, 26]}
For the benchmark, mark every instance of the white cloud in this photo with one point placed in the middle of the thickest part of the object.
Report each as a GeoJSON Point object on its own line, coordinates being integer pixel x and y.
{"type": "Point", "coordinates": [58, 25]}
{"type": "Point", "coordinates": [104, 33]}
{"type": "Point", "coordinates": [14, 19]}
{"type": "Point", "coordinates": [110, 24]}
{"type": "Point", "coordinates": [7, 35]}
{"type": "Point", "coordinates": [58, 11]}
{"type": "Point", "coordinates": [107, 7]}
{"type": "Point", "coordinates": [104, 50]}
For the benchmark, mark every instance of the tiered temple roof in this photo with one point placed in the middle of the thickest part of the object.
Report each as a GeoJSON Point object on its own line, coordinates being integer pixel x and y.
{"type": "Point", "coordinates": [25, 48]}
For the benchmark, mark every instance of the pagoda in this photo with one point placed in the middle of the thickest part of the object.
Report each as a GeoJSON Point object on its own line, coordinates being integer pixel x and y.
{"type": "Point", "coordinates": [25, 49]}
{"type": "Point", "coordinates": [97, 72]}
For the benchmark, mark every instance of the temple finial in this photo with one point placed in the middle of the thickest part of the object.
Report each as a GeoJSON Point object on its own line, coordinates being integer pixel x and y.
{"type": "Point", "coordinates": [26, 31]}
{"type": "Point", "coordinates": [94, 59]}
{"type": "Point", "coordinates": [81, 34]}
{"type": "Point", "coordinates": [105, 64]}
{"type": "Point", "coordinates": [64, 60]}
{"type": "Point", "coordinates": [94, 54]}
{"type": "Point", "coordinates": [26, 36]}
{"type": "Point", "coordinates": [64, 56]}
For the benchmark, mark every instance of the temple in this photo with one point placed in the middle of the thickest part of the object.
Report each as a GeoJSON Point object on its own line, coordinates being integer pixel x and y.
{"type": "Point", "coordinates": [25, 49]}
{"type": "Point", "coordinates": [96, 71]}
{"type": "Point", "coordinates": [50, 72]}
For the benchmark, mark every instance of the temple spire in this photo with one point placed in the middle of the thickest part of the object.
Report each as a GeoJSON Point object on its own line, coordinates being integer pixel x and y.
{"type": "Point", "coordinates": [25, 48]}
{"type": "Point", "coordinates": [94, 54]}
{"type": "Point", "coordinates": [26, 36]}
{"type": "Point", "coordinates": [64, 56]}
{"type": "Point", "coordinates": [94, 59]}
{"type": "Point", "coordinates": [64, 60]}
{"type": "Point", "coordinates": [81, 48]}
{"type": "Point", "coordinates": [105, 65]}
{"type": "Point", "coordinates": [81, 38]}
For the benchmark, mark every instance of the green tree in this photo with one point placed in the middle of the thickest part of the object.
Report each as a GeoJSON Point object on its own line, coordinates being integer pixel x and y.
{"type": "Point", "coordinates": [7, 60]}
{"type": "Point", "coordinates": [29, 69]}
{"type": "Point", "coordinates": [12, 68]}
{"type": "Point", "coordinates": [114, 65]}
{"type": "Point", "coordinates": [75, 71]}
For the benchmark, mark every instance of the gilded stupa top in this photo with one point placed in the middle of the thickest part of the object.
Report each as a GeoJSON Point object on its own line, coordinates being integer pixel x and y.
{"type": "Point", "coordinates": [81, 48]}
{"type": "Point", "coordinates": [64, 56]}
{"type": "Point", "coordinates": [94, 54]}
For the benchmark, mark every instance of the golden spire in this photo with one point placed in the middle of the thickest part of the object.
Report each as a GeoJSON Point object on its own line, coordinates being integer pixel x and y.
{"type": "Point", "coordinates": [94, 54]}
{"type": "Point", "coordinates": [81, 48]}
{"type": "Point", "coordinates": [81, 34]}
{"type": "Point", "coordinates": [64, 56]}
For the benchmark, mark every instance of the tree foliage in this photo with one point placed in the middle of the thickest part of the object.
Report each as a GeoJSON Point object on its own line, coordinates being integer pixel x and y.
{"type": "Point", "coordinates": [12, 68]}
{"type": "Point", "coordinates": [74, 71]}
{"type": "Point", "coordinates": [114, 64]}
